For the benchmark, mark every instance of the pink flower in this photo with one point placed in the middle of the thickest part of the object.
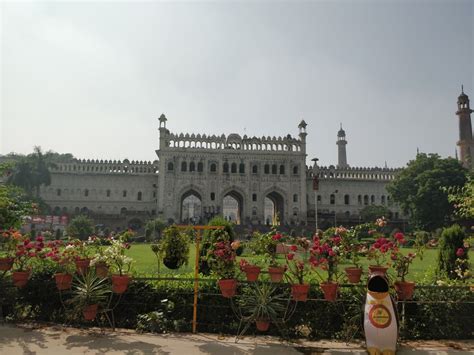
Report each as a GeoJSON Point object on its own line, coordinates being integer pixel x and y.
{"type": "Point", "coordinates": [331, 252]}
{"type": "Point", "coordinates": [40, 238]}
{"type": "Point", "coordinates": [398, 236]}
{"type": "Point", "coordinates": [460, 252]}
{"type": "Point", "coordinates": [290, 256]}
{"type": "Point", "coordinates": [293, 248]}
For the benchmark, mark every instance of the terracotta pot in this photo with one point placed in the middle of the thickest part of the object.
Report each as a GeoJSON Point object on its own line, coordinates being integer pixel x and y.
{"type": "Point", "coordinates": [329, 290]}
{"type": "Point", "coordinates": [353, 274]}
{"type": "Point", "coordinates": [20, 278]}
{"type": "Point", "coordinates": [63, 281]}
{"type": "Point", "coordinates": [82, 265]}
{"type": "Point", "coordinates": [262, 325]}
{"type": "Point", "coordinates": [404, 290]}
{"type": "Point", "coordinates": [377, 268]}
{"type": "Point", "coordinates": [120, 283]}
{"type": "Point", "coordinates": [90, 312]}
{"type": "Point", "coordinates": [228, 287]}
{"type": "Point", "coordinates": [6, 264]}
{"type": "Point", "coordinates": [101, 270]}
{"type": "Point", "coordinates": [252, 272]}
{"type": "Point", "coordinates": [300, 292]}
{"type": "Point", "coordinates": [276, 273]}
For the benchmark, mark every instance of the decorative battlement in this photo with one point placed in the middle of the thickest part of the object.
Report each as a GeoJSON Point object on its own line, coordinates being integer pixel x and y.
{"type": "Point", "coordinates": [234, 142]}
{"type": "Point", "coordinates": [353, 173]}
{"type": "Point", "coordinates": [107, 167]}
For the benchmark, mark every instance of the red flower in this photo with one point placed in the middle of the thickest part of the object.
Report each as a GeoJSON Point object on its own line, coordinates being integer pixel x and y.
{"type": "Point", "coordinates": [398, 236]}
{"type": "Point", "coordinates": [293, 248]}
{"type": "Point", "coordinates": [277, 236]}
{"type": "Point", "coordinates": [40, 238]}
{"type": "Point", "coordinates": [290, 256]}
{"type": "Point", "coordinates": [460, 252]}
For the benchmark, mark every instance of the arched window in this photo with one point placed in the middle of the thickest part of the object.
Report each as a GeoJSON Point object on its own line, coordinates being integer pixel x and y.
{"type": "Point", "coordinates": [359, 199]}
{"type": "Point", "coordinates": [184, 166]}
{"type": "Point", "coordinates": [254, 211]}
{"type": "Point", "coordinates": [213, 196]}
{"type": "Point", "coordinates": [346, 199]}
{"type": "Point", "coordinates": [372, 199]}
{"type": "Point", "coordinates": [200, 167]}
{"type": "Point", "coordinates": [225, 167]}
{"type": "Point", "coordinates": [139, 196]}
{"type": "Point", "coordinates": [366, 200]}
{"type": "Point", "coordinates": [254, 169]}
{"type": "Point", "coordinates": [124, 193]}
{"type": "Point", "coordinates": [295, 198]}
{"type": "Point", "coordinates": [242, 168]}
{"type": "Point", "coordinates": [108, 193]}
{"type": "Point", "coordinates": [170, 166]}
{"type": "Point", "coordinates": [58, 192]}
{"type": "Point", "coordinates": [332, 199]}
{"type": "Point", "coordinates": [274, 169]}
{"type": "Point", "coordinates": [86, 192]}
{"type": "Point", "coordinates": [254, 197]}
{"type": "Point", "coordinates": [382, 199]}
{"type": "Point", "coordinates": [233, 168]}
{"type": "Point", "coordinates": [192, 166]}
{"type": "Point", "coordinates": [295, 170]}
{"type": "Point", "coordinates": [282, 169]}
{"type": "Point", "coordinates": [267, 169]}
{"type": "Point", "coordinates": [213, 168]}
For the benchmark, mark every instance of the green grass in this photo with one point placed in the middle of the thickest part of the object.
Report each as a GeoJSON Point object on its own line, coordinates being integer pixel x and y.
{"type": "Point", "coordinates": [146, 264]}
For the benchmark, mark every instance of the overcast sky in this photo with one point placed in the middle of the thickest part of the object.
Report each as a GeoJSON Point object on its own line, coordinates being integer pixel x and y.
{"type": "Point", "coordinates": [91, 78]}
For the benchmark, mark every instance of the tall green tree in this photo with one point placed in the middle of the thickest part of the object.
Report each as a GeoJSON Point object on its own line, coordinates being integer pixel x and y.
{"type": "Point", "coordinates": [372, 212]}
{"type": "Point", "coordinates": [421, 189]}
{"type": "Point", "coordinates": [80, 227]}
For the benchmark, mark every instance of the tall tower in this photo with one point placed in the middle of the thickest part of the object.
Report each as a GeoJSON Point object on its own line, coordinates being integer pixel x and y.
{"type": "Point", "coordinates": [465, 143]}
{"type": "Point", "coordinates": [341, 149]}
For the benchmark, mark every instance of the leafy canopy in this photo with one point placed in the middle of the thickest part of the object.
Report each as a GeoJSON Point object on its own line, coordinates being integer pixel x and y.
{"type": "Point", "coordinates": [420, 189]}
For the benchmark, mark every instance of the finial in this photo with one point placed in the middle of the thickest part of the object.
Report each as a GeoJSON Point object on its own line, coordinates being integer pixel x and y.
{"type": "Point", "coordinates": [462, 89]}
{"type": "Point", "coordinates": [456, 153]}
{"type": "Point", "coordinates": [340, 124]}
{"type": "Point", "coordinates": [417, 150]}
{"type": "Point", "coordinates": [385, 164]}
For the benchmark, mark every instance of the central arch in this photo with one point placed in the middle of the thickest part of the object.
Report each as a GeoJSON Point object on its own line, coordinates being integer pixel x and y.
{"type": "Point", "coordinates": [191, 207]}
{"type": "Point", "coordinates": [232, 206]}
{"type": "Point", "coordinates": [274, 208]}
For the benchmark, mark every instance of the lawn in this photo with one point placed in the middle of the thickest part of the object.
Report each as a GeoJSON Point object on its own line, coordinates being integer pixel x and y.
{"type": "Point", "coordinates": [145, 262]}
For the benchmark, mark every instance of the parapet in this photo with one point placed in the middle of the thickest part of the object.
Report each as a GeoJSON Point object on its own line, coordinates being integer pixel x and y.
{"type": "Point", "coordinates": [107, 167]}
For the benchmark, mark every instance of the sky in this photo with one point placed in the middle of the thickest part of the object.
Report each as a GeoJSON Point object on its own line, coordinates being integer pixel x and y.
{"type": "Point", "coordinates": [91, 78]}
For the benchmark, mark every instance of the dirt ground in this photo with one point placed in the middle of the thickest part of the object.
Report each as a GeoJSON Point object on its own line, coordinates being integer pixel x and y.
{"type": "Point", "coordinates": [52, 340]}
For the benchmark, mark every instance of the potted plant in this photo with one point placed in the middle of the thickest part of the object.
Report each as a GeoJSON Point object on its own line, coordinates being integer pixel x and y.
{"type": "Point", "coordinates": [262, 303]}
{"type": "Point", "coordinates": [325, 253]}
{"type": "Point", "coordinates": [221, 259]}
{"type": "Point", "coordinates": [175, 248]}
{"type": "Point", "coordinates": [63, 259]}
{"type": "Point", "coordinates": [83, 258]}
{"type": "Point", "coordinates": [89, 292]}
{"type": "Point", "coordinates": [379, 250]}
{"type": "Point", "coordinates": [99, 260]}
{"type": "Point", "coordinates": [298, 267]}
{"type": "Point", "coordinates": [351, 249]}
{"type": "Point", "coordinates": [266, 245]}
{"type": "Point", "coordinates": [26, 251]}
{"type": "Point", "coordinates": [114, 255]}
{"type": "Point", "coordinates": [401, 263]}
{"type": "Point", "coordinates": [251, 271]}
{"type": "Point", "coordinates": [8, 243]}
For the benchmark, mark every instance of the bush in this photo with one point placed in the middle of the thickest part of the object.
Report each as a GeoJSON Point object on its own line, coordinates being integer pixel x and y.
{"type": "Point", "coordinates": [452, 239]}
{"type": "Point", "coordinates": [81, 227]}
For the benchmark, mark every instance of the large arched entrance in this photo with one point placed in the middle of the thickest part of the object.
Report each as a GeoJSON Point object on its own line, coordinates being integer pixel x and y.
{"type": "Point", "coordinates": [232, 207]}
{"type": "Point", "coordinates": [274, 209]}
{"type": "Point", "coordinates": [191, 208]}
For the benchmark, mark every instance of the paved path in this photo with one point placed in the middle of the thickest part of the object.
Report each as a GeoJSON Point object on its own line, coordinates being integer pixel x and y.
{"type": "Point", "coordinates": [58, 340]}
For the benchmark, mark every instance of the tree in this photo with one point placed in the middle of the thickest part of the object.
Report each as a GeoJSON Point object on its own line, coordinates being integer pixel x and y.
{"type": "Point", "coordinates": [80, 227]}
{"type": "Point", "coordinates": [420, 189]}
{"type": "Point", "coordinates": [372, 212]}
{"type": "Point", "coordinates": [153, 229]}
{"type": "Point", "coordinates": [463, 199]}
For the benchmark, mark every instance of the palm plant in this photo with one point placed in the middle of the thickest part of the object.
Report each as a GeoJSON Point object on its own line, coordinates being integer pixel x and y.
{"type": "Point", "coordinates": [89, 291]}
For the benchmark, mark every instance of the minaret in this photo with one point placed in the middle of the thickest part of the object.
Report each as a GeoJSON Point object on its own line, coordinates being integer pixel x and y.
{"type": "Point", "coordinates": [163, 130]}
{"type": "Point", "coordinates": [465, 143]}
{"type": "Point", "coordinates": [341, 149]}
{"type": "Point", "coordinates": [303, 134]}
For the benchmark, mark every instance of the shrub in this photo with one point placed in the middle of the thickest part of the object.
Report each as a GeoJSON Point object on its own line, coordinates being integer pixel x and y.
{"type": "Point", "coordinates": [452, 239]}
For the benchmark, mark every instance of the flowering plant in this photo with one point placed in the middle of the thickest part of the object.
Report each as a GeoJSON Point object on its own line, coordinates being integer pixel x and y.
{"type": "Point", "coordinates": [325, 253]}
{"type": "Point", "coordinates": [62, 257]}
{"type": "Point", "coordinates": [297, 262]}
{"type": "Point", "coordinates": [266, 244]}
{"type": "Point", "coordinates": [222, 260]}
{"type": "Point", "coordinates": [9, 241]}
{"type": "Point", "coordinates": [27, 251]}
{"type": "Point", "coordinates": [114, 256]}
{"type": "Point", "coordinates": [350, 247]}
